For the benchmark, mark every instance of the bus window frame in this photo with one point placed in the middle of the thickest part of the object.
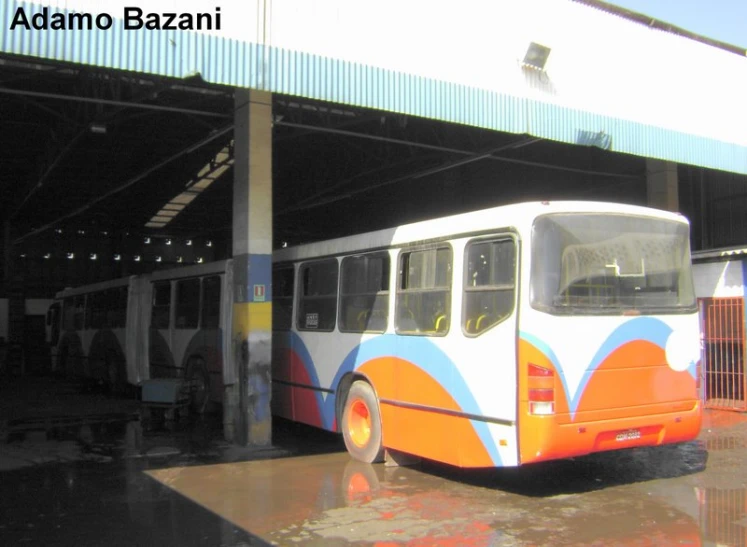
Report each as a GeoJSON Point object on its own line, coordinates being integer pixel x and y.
{"type": "Point", "coordinates": [507, 235]}
{"type": "Point", "coordinates": [408, 250]}
{"type": "Point", "coordinates": [276, 297]}
{"type": "Point", "coordinates": [201, 318]}
{"type": "Point", "coordinates": [171, 302]}
{"type": "Point", "coordinates": [300, 293]}
{"type": "Point", "coordinates": [198, 306]}
{"type": "Point", "coordinates": [385, 294]}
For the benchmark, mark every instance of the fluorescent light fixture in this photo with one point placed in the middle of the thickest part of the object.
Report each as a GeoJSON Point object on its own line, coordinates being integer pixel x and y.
{"type": "Point", "coordinates": [536, 56]}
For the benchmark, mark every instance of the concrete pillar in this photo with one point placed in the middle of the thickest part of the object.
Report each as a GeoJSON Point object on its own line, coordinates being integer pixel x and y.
{"type": "Point", "coordinates": [247, 417]}
{"type": "Point", "coordinates": [661, 185]}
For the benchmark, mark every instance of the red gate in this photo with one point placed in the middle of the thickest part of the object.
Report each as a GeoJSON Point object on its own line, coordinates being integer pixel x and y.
{"type": "Point", "coordinates": [722, 328]}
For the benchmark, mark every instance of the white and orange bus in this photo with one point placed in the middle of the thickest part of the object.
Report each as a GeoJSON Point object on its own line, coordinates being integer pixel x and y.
{"type": "Point", "coordinates": [499, 337]}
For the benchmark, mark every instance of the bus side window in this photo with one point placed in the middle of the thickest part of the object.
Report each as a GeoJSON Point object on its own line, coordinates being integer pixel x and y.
{"type": "Point", "coordinates": [117, 313]}
{"type": "Point", "coordinates": [160, 312]}
{"type": "Point", "coordinates": [424, 292]}
{"type": "Point", "coordinates": [364, 293]}
{"type": "Point", "coordinates": [79, 305]}
{"type": "Point", "coordinates": [317, 305]}
{"type": "Point", "coordinates": [282, 297]}
{"type": "Point", "coordinates": [187, 304]}
{"type": "Point", "coordinates": [68, 314]}
{"type": "Point", "coordinates": [489, 283]}
{"type": "Point", "coordinates": [211, 302]}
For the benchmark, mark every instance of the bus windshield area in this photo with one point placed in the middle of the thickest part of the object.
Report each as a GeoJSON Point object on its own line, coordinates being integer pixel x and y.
{"type": "Point", "coordinates": [610, 264]}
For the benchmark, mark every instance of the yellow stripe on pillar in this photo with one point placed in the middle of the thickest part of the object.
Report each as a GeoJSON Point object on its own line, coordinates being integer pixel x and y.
{"type": "Point", "coordinates": [252, 317]}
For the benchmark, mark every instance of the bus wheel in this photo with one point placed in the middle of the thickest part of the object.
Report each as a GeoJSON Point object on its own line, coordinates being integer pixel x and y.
{"type": "Point", "coordinates": [199, 385]}
{"type": "Point", "coordinates": [361, 424]}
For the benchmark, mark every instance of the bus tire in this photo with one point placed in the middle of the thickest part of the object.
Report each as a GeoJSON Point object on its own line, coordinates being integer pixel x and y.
{"type": "Point", "coordinates": [361, 423]}
{"type": "Point", "coordinates": [199, 385]}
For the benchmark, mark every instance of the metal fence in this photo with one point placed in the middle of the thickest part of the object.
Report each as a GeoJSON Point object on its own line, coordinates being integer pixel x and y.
{"type": "Point", "coordinates": [722, 328]}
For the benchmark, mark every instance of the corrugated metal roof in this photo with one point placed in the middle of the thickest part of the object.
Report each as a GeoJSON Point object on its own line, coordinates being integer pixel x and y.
{"type": "Point", "coordinates": [181, 54]}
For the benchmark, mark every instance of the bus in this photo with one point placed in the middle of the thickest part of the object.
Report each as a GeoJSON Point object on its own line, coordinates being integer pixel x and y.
{"type": "Point", "coordinates": [167, 324]}
{"type": "Point", "coordinates": [500, 337]}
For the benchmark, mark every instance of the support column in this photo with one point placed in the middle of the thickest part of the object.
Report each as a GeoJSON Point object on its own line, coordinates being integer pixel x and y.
{"type": "Point", "coordinates": [661, 185]}
{"type": "Point", "coordinates": [247, 419]}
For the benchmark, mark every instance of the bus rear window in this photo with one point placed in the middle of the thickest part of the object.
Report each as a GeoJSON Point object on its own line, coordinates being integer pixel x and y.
{"type": "Point", "coordinates": [610, 263]}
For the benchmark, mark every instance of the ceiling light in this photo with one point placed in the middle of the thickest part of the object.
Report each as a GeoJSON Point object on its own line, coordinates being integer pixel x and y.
{"type": "Point", "coordinates": [98, 128]}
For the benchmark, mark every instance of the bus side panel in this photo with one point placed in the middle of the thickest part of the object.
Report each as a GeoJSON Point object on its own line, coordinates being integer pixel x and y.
{"type": "Point", "coordinates": [281, 402]}
{"type": "Point", "coordinates": [106, 345]}
{"type": "Point", "coordinates": [429, 431]}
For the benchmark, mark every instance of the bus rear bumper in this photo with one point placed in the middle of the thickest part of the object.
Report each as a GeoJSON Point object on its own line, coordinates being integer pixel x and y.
{"type": "Point", "coordinates": [543, 438]}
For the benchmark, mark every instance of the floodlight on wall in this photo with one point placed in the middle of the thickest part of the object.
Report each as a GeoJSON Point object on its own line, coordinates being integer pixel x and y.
{"type": "Point", "coordinates": [536, 56]}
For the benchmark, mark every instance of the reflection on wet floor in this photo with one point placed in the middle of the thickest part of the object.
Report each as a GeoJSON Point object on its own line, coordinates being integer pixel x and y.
{"type": "Point", "coordinates": [329, 499]}
{"type": "Point", "coordinates": [723, 516]}
{"type": "Point", "coordinates": [116, 481]}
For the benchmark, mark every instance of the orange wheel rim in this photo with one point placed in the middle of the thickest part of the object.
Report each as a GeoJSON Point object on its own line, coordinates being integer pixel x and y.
{"type": "Point", "coordinates": [359, 423]}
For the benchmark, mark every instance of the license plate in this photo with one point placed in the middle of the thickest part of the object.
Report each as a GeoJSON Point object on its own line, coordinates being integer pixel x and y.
{"type": "Point", "coordinates": [629, 435]}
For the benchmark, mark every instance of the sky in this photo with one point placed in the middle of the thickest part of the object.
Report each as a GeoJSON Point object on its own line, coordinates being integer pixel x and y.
{"type": "Point", "coordinates": [724, 20]}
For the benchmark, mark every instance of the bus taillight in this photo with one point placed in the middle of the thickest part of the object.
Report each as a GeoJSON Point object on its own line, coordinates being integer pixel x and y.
{"type": "Point", "coordinates": [541, 393]}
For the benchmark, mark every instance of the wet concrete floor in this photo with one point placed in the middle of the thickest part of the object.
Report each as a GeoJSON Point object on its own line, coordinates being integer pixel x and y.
{"type": "Point", "coordinates": [113, 480]}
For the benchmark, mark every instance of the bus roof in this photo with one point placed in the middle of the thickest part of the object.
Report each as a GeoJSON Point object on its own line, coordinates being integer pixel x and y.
{"type": "Point", "coordinates": [94, 287]}
{"type": "Point", "coordinates": [520, 216]}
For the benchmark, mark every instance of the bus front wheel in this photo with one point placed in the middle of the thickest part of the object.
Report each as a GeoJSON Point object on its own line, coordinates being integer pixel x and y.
{"type": "Point", "coordinates": [361, 424]}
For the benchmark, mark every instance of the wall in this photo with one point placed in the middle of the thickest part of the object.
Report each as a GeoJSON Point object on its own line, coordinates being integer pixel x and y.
{"type": "Point", "coordinates": [719, 279]}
